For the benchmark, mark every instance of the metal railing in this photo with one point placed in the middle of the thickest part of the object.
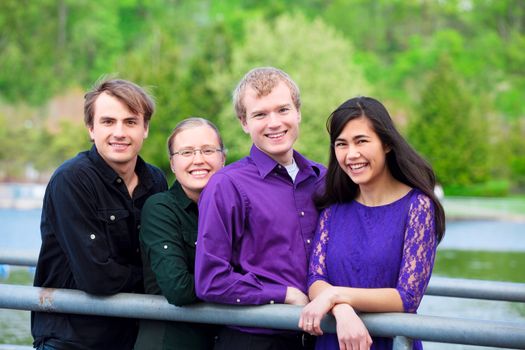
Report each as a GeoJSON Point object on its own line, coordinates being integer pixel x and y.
{"type": "Point", "coordinates": [438, 286]}
{"type": "Point", "coordinates": [397, 325]}
{"type": "Point", "coordinates": [18, 257]}
{"type": "Point", "coordinates": [403, 327]}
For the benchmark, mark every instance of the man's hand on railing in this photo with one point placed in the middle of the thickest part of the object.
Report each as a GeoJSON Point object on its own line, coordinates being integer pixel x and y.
{"type": "Point", "coordinates": [295, 297]}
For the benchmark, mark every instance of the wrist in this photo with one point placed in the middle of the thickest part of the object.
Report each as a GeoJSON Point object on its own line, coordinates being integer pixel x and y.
{"type": "Point", "coordinates": [341, 309]}
{"type": "Point", "coordinates": [333, 296]}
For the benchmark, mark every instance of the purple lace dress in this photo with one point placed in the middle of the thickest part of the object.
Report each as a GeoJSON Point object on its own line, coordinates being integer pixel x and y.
{"type": "Point", "coordinates": [388, 246]}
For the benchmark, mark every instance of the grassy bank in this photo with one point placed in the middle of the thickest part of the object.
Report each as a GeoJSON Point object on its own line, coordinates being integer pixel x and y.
{"type": "Point", "coordinates": [15, 324]}
{"type": "Point", "coordinates": [496, 266]}
{"type": "Point", "coordinates": [506, 208]}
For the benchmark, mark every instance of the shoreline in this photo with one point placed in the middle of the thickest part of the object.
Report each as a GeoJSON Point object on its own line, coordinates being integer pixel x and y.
{"type": "Point", "coordinates": [29, 196]}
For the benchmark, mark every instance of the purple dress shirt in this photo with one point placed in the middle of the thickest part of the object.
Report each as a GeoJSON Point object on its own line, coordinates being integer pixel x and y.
{"type": "Point", "coordinates": [256, 227]}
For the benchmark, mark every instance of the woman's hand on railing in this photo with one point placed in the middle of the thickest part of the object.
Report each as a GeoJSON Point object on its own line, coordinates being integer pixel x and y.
{"type": "Point", "coordinates": [351, 331]}
{"type": "Point", "coordinates": [313, 313]}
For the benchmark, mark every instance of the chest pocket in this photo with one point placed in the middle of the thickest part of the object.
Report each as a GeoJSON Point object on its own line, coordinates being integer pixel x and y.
{"type": "Point", "coordinates": [117, 230]}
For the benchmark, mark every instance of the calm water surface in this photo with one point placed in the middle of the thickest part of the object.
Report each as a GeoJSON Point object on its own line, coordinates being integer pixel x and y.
{"type": "Point", "coordinates": [20, 229]}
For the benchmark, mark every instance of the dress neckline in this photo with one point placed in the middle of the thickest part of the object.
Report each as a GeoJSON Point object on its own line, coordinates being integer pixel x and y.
{"type": "Point", "coordinates": [406, 195]}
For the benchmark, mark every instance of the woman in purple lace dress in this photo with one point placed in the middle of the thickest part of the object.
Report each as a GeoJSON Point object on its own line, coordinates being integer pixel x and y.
{"type": "Point", "coordinates": [378, 232]}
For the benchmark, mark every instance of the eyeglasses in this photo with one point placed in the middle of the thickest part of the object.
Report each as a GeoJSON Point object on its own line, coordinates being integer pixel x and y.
{"type": "Point", "coordinates": [191, 152]}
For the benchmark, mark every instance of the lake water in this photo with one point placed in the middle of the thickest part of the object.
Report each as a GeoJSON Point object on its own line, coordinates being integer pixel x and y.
{"type": "Point", "coordinates": [20, 230]}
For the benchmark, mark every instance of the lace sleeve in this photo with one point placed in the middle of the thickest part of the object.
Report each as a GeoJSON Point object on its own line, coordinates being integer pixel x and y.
{"type": "Point", "coordinates": [317, 267]}
{"type": "Point", "coordinates": [419, 251]}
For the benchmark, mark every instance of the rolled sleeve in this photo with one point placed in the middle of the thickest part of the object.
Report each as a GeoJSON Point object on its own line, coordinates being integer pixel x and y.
{"type": "Point", "coordinates": [162, 239]}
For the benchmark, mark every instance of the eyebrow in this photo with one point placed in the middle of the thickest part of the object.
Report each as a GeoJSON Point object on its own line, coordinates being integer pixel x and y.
{"type": "Point", "coordinates": [258, 111]}
{"type": "Point", "coordinates": [265, 110]}
{"type": "Point", "coordinates": [353, 138]}
{"type": "Point", "coordinates": [201, 146]}
{"type": "Point", "coordinates": [125, 118]}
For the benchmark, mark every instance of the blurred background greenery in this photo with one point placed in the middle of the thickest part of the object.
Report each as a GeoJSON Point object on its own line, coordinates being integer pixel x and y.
{"type": "Point", "coordinates": [451, 72]}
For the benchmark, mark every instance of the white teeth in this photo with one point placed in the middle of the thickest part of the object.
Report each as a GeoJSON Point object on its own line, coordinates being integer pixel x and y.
{"type": "Point", "coordinates": [199, 172]}
{"type": "Point", "coordinates": [275, 136]}
{"type": "Point", "coordinates": [357, 166]}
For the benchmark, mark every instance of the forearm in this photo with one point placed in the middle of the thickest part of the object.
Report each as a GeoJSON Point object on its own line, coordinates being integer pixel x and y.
{"type": "Point", "coordinates": [112, 278]}
{"type": "Point", "coordinates": [317, 288]}
{"type": "Point", "coordinates": [179, 291]}
{"type": "Point", "coordinates": [220, 284]}
{"type": "Point", "coordinates": [367, 299]}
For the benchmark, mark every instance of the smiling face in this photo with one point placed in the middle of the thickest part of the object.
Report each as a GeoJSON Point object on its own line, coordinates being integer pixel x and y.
{"type": "Point", "coordinates": [361, 154]}
{"type": "Point", "coordinates": [117, 133]}
{"type": "Point", "coordinates": [194, 172]}
{"type": "Point", "coordinates": [272, 121]}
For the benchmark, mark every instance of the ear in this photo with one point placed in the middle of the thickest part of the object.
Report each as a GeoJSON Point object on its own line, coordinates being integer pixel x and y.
{"type": "Point", "coordinates": [299, 116]}
{"type": "Point", "coordinates": [146, 130]}
{"type": "Point", "coordinates": [244, 125]}
{"type": "Point", "coordinates": [387, 149]}
{"type": "Point", "coordinates": [172, 164]}
{"type": "Point", "coordinates": [91, 132]}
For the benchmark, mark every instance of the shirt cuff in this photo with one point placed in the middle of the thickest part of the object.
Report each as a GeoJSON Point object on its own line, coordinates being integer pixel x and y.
{"type": "Point", "coordinates": [276, 293]}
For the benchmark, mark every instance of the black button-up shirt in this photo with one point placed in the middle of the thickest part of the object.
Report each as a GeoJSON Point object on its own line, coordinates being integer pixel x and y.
{"type": "Point", "coordinates": [90, 226]}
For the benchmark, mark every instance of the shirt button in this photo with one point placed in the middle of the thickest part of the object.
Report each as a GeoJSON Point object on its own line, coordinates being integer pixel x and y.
{"type": "Point", "coordinates": [92, 236]}
{"type": "Point", "coordinates": [138, 227]}
{"type": "Point", "coordinates": [279, 166]}
{"type": "Point", "coordinates": [119, 180]}
{"type": "Point", "coordinates": [112, 218]}
{"type": "Point", "coordinates": [272, 302]}
{"type": "Point", "coordinates": [138, 250]}
{"type": "Point", "coordinates": [165, 246]}
{"type": "Point", "coordinates": [308, 241]}
{"type": "Point", "coordinates": [238, 300]}
{"type": "Point", "coordinates": [195, 242]}
{"type": "Point", "coordinates": [302, 213]}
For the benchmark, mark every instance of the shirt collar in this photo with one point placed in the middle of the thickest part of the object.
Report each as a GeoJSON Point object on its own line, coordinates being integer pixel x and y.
{"type": "Point", "coordinates": [265, 164]}
{"type": "Point", "coordinates": [180, 196]}
{"type": "Point", "coordinates": [145, 178]}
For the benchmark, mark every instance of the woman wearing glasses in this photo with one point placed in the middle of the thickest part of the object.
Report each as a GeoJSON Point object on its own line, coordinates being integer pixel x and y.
{"type": "Point", "coordinates": [169, 234]}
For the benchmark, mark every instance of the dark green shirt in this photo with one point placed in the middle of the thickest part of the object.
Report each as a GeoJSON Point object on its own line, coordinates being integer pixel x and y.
{"type": "Point", "coordinates": [168, 236]}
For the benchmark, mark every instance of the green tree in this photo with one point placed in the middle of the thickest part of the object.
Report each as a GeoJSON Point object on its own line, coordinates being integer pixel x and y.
{"type": "Point", "coordinates": [517, 155]}
{"type": "Point", "coordinates": [177, 62]}
{"type": "Point", "coordinates": [446, 132]}
{"type": "Point", "coordinates": [315, 56]}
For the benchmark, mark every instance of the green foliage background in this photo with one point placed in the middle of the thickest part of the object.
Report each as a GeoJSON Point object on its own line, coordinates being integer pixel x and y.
{"type": "Point", "coordinates": [450, 72]}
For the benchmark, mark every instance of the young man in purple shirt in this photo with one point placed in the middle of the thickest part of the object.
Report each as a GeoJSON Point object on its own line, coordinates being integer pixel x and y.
{"type": "Point", "coordinates": [257, 216]}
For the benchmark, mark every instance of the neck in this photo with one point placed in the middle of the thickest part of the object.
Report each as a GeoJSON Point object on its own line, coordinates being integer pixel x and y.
{"type": "Point", "coordinates": [284, 160]}
{"type": "Point", "coordinates": [193, 196]}
{"type": "Point", "coordinates": [128, 175]}
{"type": "Point", "coordinates": [387, 191]}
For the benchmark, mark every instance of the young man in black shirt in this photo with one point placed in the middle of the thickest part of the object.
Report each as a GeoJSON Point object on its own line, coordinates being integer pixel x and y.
{"type": "Point", "coordinates": [91, 220]}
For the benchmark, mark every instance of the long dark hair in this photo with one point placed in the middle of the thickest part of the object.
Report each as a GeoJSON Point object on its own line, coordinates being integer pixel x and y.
{"type": "Point", "coordinates": [404, 163]}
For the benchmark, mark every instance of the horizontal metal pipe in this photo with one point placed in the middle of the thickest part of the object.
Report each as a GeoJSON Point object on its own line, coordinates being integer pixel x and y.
{"type": "Point", "coordinates": [439, 286]}
{"type": "Point", "coordinates": [476, 289]}
{"type": "Point", "coordinates": [18, 257]}
{"type": "Point", "coordinates": [430, 328]}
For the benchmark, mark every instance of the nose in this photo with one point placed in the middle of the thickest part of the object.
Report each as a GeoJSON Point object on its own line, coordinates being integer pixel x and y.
{"type": "Point", "coordinates": [353, 153]}
{"type": "Point", "coordinates": [274, 121]}
{"type": "Point", "coordinates": [198, 158]}
{"type": "Point", "coordinates": [118, 130]}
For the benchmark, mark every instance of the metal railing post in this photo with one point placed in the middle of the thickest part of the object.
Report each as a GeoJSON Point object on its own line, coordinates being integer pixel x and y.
{"type": "Point", "coordinates": [402, 343]}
